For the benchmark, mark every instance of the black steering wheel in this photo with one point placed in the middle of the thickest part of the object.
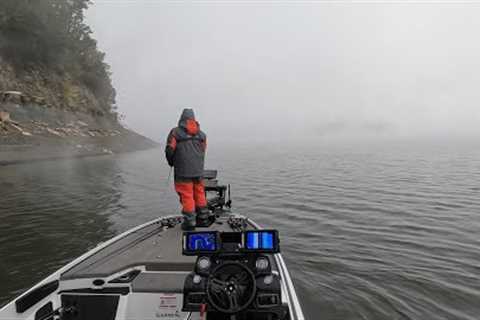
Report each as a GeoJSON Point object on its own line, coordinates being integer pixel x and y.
{"type": "Point", "coordinates": [231, 287]}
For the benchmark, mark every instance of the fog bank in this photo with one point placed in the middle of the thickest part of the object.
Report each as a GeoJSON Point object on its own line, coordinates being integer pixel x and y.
{"type": "Point", "coordinates": [279, 71]}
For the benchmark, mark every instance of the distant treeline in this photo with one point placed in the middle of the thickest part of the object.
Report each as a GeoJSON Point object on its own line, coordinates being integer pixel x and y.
{"type": "Point", "coordinates": [53, 34]}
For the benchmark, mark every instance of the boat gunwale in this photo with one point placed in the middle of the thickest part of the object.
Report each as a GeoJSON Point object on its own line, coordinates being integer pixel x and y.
{"type": "Point", "coordinates": [56, 275]}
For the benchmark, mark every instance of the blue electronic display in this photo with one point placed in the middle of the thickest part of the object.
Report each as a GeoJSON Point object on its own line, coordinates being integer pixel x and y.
{"type": "Point", "coordinates": [202, 241]}
{"type": "Point", "coordinates": [260, 240]}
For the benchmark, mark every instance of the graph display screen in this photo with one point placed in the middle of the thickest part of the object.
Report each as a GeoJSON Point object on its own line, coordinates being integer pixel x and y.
{"type": "Point", "coordinates": [265, 240]}
{"type": "Point", "coordinates": [201, 242]}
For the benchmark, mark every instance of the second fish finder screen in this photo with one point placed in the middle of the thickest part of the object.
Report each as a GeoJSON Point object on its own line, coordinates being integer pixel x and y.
{"type": "Point", "coordinates": [261, 240]}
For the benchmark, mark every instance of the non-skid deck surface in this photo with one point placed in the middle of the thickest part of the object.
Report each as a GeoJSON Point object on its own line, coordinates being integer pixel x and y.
{"type": "Point", "coordinates": [157, 248]}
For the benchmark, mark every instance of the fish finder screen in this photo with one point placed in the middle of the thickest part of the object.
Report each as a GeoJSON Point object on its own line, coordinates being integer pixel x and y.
{"type": "Point", "coordinates": [260, 240]}
{"type": "Point", "coordinates": [202, 242]}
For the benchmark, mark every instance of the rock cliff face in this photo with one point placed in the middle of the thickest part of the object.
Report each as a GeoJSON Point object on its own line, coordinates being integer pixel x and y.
{"type": "Point", "coordinates": [45, 115]}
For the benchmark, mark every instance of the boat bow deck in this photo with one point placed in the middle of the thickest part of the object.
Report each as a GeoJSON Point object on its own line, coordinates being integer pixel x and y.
{"type": "Point", "coordinates": [156, 247]}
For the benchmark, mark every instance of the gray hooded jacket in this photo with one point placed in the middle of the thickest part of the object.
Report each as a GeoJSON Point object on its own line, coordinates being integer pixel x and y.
{"type": "Point", "coordinates": [186, 146]}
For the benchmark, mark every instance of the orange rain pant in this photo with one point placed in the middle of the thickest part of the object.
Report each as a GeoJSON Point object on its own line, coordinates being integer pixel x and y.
{"type": "Point", "coordinates": [192, 194]}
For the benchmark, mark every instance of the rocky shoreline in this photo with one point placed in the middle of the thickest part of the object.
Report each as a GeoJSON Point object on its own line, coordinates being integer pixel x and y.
{"type": "Point", "coordinates": [32, 132]}
{"type": "Point", "coordinates": [74, 148]}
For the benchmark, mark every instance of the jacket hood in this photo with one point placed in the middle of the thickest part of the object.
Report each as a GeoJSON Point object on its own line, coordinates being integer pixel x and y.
{"type": "Point", "coordinates": [186, 114]}
{"type": "Point", "coordinates": [188, 123]}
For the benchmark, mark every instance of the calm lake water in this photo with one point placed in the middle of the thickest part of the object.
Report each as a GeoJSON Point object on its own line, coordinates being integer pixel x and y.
{"type": "Point", "coordinates": [368, 233]}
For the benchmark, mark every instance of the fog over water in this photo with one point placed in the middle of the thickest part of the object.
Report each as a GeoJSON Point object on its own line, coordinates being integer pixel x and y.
{"type": "Point", "coordinates": [285, 70]}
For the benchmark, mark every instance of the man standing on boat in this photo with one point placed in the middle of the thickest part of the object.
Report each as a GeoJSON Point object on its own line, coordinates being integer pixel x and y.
{"type": "Point", "coordinates": [185, 152]}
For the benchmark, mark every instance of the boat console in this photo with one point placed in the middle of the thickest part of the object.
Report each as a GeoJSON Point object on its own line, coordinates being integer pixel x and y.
{"type": "Point", "coordinates": [233, 275]}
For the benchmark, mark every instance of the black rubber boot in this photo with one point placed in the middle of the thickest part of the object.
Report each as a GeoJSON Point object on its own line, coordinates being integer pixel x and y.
{"type": "Point", "coordinates": [189, 221]}
{"type": "Point", "coordinates": [203, 217]}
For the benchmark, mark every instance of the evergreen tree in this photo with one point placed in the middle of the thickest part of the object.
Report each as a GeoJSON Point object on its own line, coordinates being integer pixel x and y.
{"type": "Point", "coordinates": [53, 33]}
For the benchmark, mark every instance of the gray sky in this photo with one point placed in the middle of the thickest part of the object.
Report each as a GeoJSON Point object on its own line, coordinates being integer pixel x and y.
{"type": "Point", "coordinates": [289, 71]}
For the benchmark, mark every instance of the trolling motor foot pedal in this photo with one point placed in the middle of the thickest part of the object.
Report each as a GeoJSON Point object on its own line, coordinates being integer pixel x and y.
{"type": "Point", "coordinates": [205, 223]}
{"type": "Point", "coordinates": [205, 218]}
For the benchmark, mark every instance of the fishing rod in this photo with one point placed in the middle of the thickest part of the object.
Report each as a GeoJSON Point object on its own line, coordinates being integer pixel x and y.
{"type": "Point", "coordinates": [169, 175]}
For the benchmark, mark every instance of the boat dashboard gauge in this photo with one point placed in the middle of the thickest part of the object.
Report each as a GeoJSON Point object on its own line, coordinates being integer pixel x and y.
{"type": "Point", "coordinates": [204, 263]}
